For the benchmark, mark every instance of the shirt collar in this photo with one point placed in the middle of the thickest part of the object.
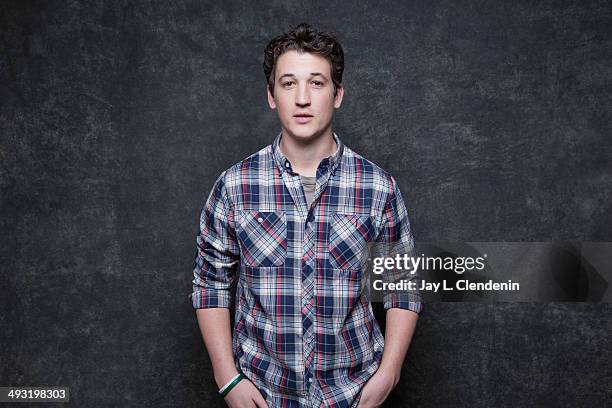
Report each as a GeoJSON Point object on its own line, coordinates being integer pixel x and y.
{"type": "Point", "coordinates": [328, 163]}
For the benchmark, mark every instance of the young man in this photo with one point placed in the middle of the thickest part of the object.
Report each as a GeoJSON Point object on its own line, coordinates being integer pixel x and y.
{"type": "Point", "coordinates": [287, 226]}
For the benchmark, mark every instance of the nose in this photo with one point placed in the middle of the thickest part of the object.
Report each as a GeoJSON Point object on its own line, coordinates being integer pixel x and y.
{"type": "Point", "coordinates": [302, 95]}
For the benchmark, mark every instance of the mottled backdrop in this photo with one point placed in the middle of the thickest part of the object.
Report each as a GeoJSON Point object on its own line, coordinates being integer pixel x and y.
{"type": "Point", "coordinates": [117, 116]}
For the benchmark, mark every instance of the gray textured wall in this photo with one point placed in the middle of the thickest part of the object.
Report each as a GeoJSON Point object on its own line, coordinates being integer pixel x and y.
{"type": "Point", "coordinates": [116, 117]}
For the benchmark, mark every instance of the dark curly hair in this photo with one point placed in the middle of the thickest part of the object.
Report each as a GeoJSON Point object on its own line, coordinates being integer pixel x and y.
{"type": "Point", "coordinates": [304, 38]}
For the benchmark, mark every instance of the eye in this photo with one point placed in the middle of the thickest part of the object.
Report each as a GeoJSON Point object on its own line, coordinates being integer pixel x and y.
{"type": "Point", "coordinates": [317, 83]}
{"type": "Point", "coordinates": [286, 84]}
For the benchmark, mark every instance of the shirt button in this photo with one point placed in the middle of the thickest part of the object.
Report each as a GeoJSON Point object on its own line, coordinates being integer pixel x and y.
{"type": "Point", "coordinates": [260, 219]}
{"type": "Point", "coordinates": [310, 380]}
{"type": "Point", "coordinates": [287, 165]}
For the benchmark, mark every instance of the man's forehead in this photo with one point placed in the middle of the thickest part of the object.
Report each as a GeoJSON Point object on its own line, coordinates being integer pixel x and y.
{"type": "Point", "coordinates": [295, 63]}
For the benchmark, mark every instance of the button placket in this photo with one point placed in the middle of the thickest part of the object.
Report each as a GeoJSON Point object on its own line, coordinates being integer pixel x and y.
{"type": "Point", "coordinates": [308, 301]}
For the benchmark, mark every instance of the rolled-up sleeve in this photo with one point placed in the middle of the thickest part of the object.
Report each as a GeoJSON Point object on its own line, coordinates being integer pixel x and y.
{"type": "Point", "coordinates": [395, 238]}
{"type": "Point", "coordinates": [217, 257]}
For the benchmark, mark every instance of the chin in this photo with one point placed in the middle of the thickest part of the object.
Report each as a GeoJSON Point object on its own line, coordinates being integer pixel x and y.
{"type": "Point", "coordinates": [302, 134]}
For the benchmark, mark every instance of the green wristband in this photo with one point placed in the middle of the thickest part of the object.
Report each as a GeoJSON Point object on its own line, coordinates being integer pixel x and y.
{"type": "Point", "coordinates": [224, 391]}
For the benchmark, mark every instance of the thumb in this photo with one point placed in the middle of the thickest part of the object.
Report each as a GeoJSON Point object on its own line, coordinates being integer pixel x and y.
{"type": "Point", "coordinates": [260, 401]}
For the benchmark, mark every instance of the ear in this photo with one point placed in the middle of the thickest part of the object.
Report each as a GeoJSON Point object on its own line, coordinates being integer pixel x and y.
{"type": "Point", "coordinates": [271, 101]}
{"type": "Point", "coordinates": [338, 97]}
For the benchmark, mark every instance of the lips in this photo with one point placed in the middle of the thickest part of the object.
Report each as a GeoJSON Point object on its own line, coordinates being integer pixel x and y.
{"type": "Point", "coordinates": [302, 117]}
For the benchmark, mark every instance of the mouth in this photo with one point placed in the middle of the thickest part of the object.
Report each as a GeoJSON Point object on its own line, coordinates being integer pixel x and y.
{"type": "Point", "coordinates": [302, 118]}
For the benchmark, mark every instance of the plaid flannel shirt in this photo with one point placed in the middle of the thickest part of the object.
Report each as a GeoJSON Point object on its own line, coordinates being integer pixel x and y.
{"type": "Point", "coordinates": [304, 330]}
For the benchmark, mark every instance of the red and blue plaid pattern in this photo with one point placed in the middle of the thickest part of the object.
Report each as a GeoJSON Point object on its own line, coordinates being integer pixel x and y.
{"type": "Point", "coordinates": [304, 332]}
{"type": "Point", "coordinates": [263, 236]}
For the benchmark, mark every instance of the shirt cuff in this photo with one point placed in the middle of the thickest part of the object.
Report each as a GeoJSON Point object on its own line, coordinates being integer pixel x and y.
{"type": "Point", "coordinates": [210, 297]}
{"type": "Point", "coordinates": [403, 301]}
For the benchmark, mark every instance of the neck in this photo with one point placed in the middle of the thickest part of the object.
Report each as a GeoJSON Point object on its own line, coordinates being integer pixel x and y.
{"type": "Point", "coordinates": [305, 155]}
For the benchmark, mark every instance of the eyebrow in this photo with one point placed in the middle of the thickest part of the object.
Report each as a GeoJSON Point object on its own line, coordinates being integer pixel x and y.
{"type": "Point", "coordinates": [311, 74]}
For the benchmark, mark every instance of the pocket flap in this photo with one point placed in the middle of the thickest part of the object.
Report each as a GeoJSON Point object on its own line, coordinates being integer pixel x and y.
{"type": "Point", "coordinates": [263, 237]}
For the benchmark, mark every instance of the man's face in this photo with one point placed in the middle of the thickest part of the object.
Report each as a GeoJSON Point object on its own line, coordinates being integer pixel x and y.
{"type": "Point", "coordinates": [304, 94]}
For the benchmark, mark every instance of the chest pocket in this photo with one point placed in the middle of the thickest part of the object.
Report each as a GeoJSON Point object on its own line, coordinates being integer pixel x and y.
{"type": "Point", "coordinates": [348, 238]}
{"type": "Point", "coordinates": [262, 236]}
